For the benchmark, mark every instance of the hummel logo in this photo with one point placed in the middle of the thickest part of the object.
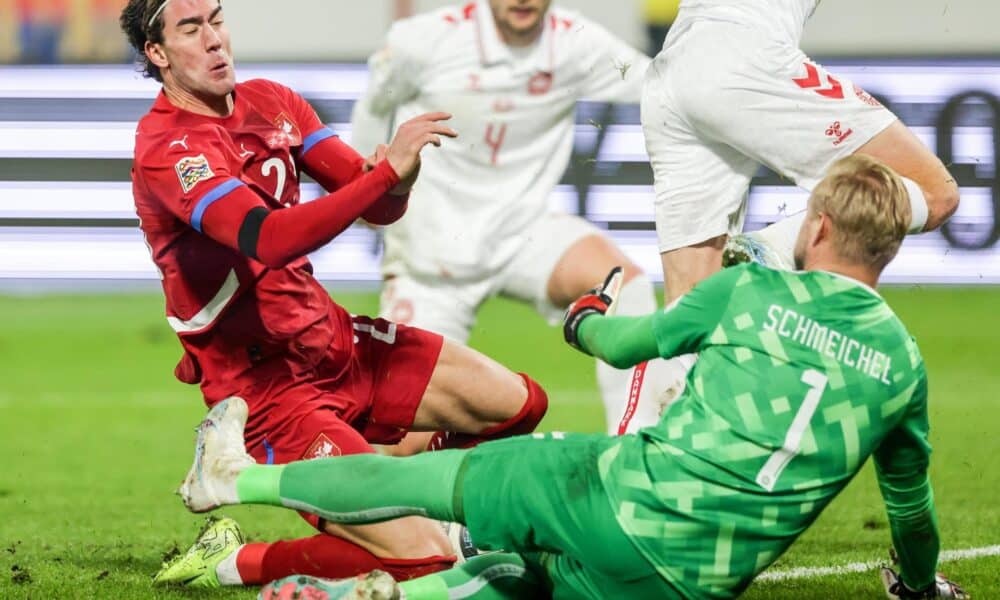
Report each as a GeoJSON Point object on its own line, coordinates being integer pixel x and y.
{"type": "Point", "coordinates": [183, 142]}
{"type": "Point", "coordinates": [835, 131]}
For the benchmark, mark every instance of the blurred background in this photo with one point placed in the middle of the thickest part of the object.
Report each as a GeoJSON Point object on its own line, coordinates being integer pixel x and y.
{"type": "Point", "coordinates": [69, 99]}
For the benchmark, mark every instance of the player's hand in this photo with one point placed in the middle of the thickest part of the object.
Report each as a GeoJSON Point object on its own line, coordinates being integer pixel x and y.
{"type": "Point", "coordinates": [372, 161]}
{"type": "Point", "coordinates": [403, 153]}
{"type": "Point", "coordinates": [598, 301]}
{"type": "Point", "coordinates": [941, 588]}
{"type": "Point", "coordinates": [376, 158]}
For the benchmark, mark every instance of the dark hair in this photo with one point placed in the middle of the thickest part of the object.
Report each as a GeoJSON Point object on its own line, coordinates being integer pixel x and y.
{"type": "Point", "coordinates": [134, 21]}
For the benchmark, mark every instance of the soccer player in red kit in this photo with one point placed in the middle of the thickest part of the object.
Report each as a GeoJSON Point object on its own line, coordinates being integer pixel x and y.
{"type": "Point", "coordinates": [216, 185]}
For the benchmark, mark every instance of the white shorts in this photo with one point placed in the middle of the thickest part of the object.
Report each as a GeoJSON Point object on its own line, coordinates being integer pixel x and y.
{"type": "Point", "coordinates": [449, 307]}
{"type": "Point", "coordinates": [722, 99]}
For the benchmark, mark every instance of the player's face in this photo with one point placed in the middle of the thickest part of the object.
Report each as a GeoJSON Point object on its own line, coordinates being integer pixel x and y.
{"type": "Point", "coordinates": [197, 50]}
{"type": "Point", "coordinates": [519, 20]}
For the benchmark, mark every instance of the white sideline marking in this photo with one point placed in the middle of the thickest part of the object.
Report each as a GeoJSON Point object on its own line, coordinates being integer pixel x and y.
{"type": "Point", "coordinates": [861, 567]}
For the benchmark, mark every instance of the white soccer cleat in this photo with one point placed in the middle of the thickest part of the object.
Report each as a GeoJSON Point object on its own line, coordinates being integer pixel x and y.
{"type": "Point", "coordinates": [219, 457]}
{"type": "Point", "coordinates": [755, 247]}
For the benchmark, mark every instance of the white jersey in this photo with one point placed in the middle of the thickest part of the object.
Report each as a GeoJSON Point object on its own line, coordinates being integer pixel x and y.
{"type": "Point", "coordinates": [514, 112]}
{"type": "Point", "coordinates": [785, 18]}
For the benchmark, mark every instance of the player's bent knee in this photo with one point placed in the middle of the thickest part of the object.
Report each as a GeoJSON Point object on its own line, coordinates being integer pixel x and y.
{"type": "Point", "coordinates": [527, 419]}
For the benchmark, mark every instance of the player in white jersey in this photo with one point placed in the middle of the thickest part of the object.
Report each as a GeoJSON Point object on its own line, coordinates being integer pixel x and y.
{"type": "Point", "coordinates": [731, 90]}
{"type": "Point", "coordinates": [510, 73]}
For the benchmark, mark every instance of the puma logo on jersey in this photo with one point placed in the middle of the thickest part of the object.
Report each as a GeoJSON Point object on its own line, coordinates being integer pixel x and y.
{"type": "Point", "coordinates": [183, 143]}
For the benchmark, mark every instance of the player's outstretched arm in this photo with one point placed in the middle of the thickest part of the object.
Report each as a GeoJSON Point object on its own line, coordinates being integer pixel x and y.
{"type": "Point", "coordinates": [901, 463]}
{"type": "Point", "coordinates": [619, 341]}
{"type": "Point", "coordinates": [276, 237]}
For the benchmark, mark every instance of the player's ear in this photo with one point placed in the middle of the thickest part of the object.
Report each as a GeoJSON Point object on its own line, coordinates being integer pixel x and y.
{"type": "Point", "coordinates": [156, 55]}
{"type": "Point", "coordinates": [822, 231]}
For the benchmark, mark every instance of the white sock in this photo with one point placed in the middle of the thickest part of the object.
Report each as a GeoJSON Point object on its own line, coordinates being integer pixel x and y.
{"type": "Point", "coordinates": [227, 572]}
{"type": "Point", "coordinates": [661, 380]}
{"type": "Point", "coordinates": [918, 206]}
{"type": "Point", "coordinates": [780, 238]}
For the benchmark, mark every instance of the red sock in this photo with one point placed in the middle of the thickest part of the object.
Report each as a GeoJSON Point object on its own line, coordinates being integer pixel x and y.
{"type": "Point", "coordinates": [522, 423]}
{"type": "Point", "coordinates": [325, 556]}
{"type": "Point", "coordinates": [402, 569]}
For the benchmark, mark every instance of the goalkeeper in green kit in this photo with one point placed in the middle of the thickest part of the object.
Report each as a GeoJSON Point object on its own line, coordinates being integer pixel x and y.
{"type": "Point", "coordinates": [801, 377]}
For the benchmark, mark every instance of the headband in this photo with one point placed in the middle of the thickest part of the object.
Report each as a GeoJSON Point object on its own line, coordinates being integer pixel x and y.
{"type": "Point", "coordinates": [157, 13]}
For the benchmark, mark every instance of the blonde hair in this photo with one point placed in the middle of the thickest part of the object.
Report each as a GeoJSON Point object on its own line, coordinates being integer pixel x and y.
{"type": "Point", "coordinates": [868, 206]}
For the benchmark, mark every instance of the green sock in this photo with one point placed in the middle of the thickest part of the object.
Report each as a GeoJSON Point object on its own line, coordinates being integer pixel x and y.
{"type": "Point", "coordinates": [505, 577]}
{"type": "Point", "coordinates": [259, 484]}
{"type": "Point", "coordinates": [362, 488]}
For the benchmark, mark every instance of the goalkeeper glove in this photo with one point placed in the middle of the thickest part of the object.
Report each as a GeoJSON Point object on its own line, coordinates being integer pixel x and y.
{"type": "Point", "coordinates": [598, 301]}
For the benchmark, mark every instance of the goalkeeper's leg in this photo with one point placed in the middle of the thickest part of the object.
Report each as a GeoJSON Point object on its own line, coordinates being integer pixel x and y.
{"type": "Point", "coordinates": [526, 495]}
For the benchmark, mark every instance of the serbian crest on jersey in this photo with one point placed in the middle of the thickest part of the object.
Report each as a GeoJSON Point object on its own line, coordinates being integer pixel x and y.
{"type": "Point", "coordinates": [191, 170]}
{"type": "Point", "coordinates": [321, 447]}
{"type": "Point", "coordinates": [288, 127]}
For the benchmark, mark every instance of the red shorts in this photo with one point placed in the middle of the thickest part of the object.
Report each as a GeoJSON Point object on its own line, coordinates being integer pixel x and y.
{"type": "Point", "coordinates": [336, 409]}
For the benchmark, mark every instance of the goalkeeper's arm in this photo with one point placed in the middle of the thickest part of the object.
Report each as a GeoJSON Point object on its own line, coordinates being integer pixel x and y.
{"type": "Point", "coordinates": [901, 462]}
{"type": "Point", "coordinates": [621, 342]}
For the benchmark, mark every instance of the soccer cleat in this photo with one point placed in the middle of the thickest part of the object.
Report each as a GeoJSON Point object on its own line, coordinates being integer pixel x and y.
{"type": "Point", "coordinates": [376, 585]}
{"type": "Point", "coordinates": [196, 568]}
{"type": "Point", "coordinates": [748, 247]}
{"type": "Point", "coordinates": [219, 457]}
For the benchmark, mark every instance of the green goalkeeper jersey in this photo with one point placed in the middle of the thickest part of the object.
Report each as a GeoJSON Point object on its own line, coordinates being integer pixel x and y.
{"type": "Point", "coordinates": [800, 377]}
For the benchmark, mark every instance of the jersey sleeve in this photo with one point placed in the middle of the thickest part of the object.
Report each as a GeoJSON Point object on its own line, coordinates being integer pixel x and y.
{"type": "Point", "coordinates": [901, 463]}
{"type": "Point", "coordinates": [394, 73]}
{"type": "Point", "coordinates": [614, 69]}
{"type": "Point", "coordinates": [189, 171]}
{"type": "Point", "coordinates": [686, 324]}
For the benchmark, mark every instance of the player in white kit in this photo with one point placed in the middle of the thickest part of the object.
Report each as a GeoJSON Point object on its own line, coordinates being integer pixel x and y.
{"type": "Point", "coordinates": [510, 72]}
{"type": "Point", "coordinates": [731, 90]}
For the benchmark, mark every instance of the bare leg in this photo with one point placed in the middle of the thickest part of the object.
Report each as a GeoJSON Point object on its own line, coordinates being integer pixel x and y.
{"type": "Point", "coordinates": [683, 268]}
{"type": "Point", "coordinates": [585, 265]}
{"type": "Point", "coordinates": [469, 392]}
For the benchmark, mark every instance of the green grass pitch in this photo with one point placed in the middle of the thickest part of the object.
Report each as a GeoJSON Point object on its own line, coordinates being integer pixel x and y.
{"type": "Point", "coordinates": [95, 434]}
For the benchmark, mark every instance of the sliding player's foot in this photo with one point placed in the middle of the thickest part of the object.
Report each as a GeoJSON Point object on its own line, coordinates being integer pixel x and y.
{"type": "Point", "coordinates": [219, 457]}
{"type": "Point", "coordinates": [196, 568]}
{"type": "Point", "coordinates": [752, 247]}
{"type": "Point", "coordinates": [376, 585]}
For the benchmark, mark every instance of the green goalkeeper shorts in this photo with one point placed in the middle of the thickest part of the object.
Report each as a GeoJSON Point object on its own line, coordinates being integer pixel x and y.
{"type": "Point", "coordinates": [542, 497]}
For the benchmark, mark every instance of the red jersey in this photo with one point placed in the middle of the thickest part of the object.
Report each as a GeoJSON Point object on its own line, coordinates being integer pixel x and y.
{"type": "Point", "coordinates": [237, 318]}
